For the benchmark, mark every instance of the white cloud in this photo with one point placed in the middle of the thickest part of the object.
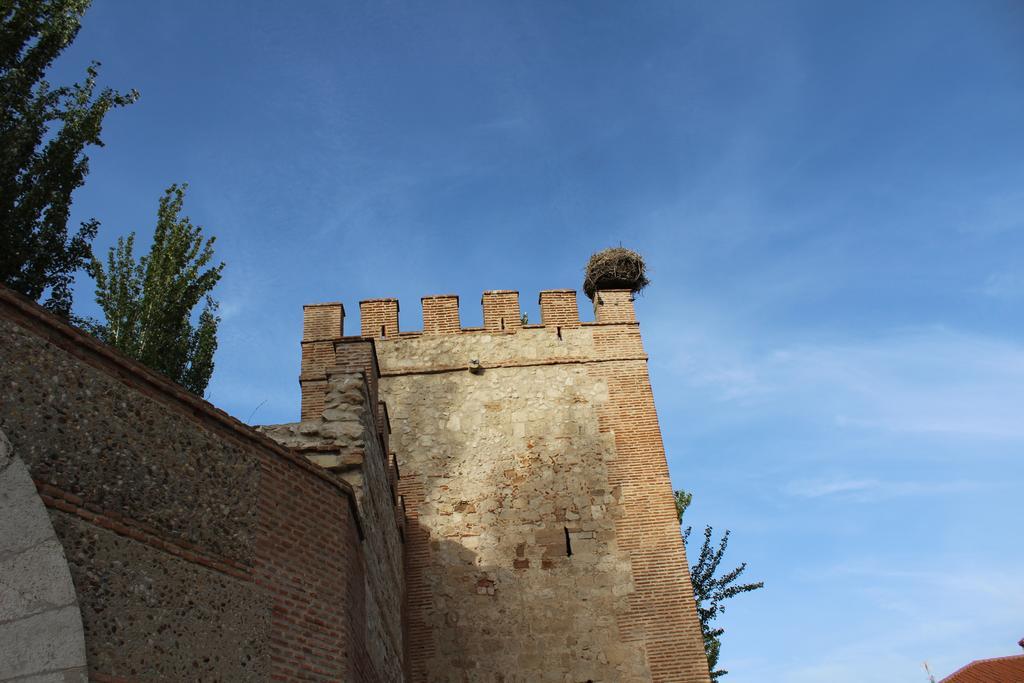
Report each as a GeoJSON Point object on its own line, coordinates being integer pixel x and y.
{"type": "Point", "coordinates": [976, 605]}
{"type": "Point", "coordinates": [871, 490]}
{"type": "Point", "coordinates": [933, 381]}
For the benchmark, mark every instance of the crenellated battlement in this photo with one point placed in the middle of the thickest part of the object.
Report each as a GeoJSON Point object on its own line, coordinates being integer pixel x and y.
{"type": "Point", "coordinates": [327, 349]}
{"type": "Point", "coordinates": [379, 318]}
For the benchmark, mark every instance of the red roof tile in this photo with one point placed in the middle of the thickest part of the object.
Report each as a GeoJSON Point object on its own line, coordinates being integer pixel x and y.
{"type": "Point", "coordinates": [998, 670]}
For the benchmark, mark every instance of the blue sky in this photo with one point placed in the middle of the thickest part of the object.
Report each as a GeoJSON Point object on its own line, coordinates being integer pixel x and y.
{"type": "Point", "coordinates": [830, 197]}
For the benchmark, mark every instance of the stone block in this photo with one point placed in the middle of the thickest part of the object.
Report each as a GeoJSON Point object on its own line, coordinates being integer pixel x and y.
{"type": "Point", "coordinates": [45, 642]}
{"type": "Point", "coordinates": [34, 580]}
{"type": "Point", "coordinates": [23, 520]}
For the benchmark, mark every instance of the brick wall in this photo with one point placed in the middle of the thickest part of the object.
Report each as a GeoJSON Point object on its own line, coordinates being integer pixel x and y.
{"type": "Point", "coordinates": [501, 310]}
{"type": "Point", "coordinates": [614, 306]}
{"type": "Point", "coordinates": [661, 611]}
{"type": "Point", "coordinates": [441, 314]}
{"type": "Point", "coordinates": [323, 321]}
{"type": "Point", "coordinates": [558, 307]}
{"type": "Point", "coordinates": [321, 354]}
{"type": "Point", "coordinates": [378, 317]}
{"type": "Point", "coordinates": [347, 441]}
{"type": "Point", "coordinates": [309, 561]}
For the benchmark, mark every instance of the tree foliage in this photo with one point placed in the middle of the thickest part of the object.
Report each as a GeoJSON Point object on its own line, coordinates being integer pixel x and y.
{"type": "Point", "coordinates": [710, 588]}
{"type": "Point", "coordinates": [148, 304]}
{"type": "Point", "coordinates": [43, 134]}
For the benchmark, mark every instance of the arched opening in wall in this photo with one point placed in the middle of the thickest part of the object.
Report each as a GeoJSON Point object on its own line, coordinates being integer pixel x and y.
{"type": "Point", "coordinates": [29, 651]}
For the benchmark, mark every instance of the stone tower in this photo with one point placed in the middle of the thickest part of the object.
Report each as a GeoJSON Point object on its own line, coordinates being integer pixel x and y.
{"type": "Point", "coordinates": [541, 541]}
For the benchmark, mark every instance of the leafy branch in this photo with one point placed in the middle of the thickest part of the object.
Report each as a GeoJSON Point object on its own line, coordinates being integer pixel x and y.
{"type": "Point", "coordinates": [711, 589]}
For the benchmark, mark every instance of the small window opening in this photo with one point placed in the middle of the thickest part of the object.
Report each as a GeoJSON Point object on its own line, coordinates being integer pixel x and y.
{"type": "Point", "coordinates": [382, 332]}
{"type": "Point", "coordinates": [568, 542]}
{"type": "Point", "coordinates": [503, 323]}
{"type": "Point", "coordinates": [558, 331]}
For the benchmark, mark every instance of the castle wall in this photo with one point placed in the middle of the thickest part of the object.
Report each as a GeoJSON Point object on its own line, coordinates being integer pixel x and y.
{"type": "Point", "coordinates": [542, 543]}
{"type": "Point", "coordinates": [540, 539]}
{"type": "Point", "coordinates": [198, 548]}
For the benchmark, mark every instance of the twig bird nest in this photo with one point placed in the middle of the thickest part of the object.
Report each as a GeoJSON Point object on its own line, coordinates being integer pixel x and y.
{"type": "Point", "coordinates": [615, 268]}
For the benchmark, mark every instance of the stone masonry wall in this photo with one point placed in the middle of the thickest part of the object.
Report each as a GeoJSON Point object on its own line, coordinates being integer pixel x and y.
{"type": "Point", "coordinates": [542, 543]}
{"type": "Point", "coordinates": [199, 549]}
{"type": "Point", "coordinates": [503, 482]}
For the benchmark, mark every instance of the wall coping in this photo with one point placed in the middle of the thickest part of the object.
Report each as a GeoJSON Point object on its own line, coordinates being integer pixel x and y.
{"type": "Point", "coordinates": [325, 303]}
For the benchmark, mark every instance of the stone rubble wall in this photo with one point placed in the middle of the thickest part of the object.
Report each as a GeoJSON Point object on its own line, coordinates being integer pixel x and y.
{"type": "Point", "coordinates": [199, 549]}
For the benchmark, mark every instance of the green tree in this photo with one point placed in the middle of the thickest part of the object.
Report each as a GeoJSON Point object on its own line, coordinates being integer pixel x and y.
{"type": "Point", "coordinates": [43, 134]}
{"type": "Point", "coordinates": [709, 590]}
{"type": "Point", "coordinates": [148, 304]}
